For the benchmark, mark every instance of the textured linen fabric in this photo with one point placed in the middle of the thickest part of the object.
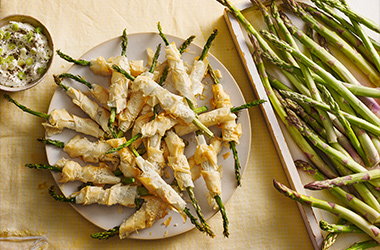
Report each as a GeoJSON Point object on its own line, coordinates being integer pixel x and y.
{"type": "Point", "coordinates": [260, 217]}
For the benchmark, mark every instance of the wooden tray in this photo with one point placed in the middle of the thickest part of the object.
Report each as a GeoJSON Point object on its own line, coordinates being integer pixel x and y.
{"type": "Point", "coordinates": [239, 37]}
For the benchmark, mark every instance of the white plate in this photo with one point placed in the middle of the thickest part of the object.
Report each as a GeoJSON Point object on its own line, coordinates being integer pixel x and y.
{"type": "Point", "coordinates": [108, 217]}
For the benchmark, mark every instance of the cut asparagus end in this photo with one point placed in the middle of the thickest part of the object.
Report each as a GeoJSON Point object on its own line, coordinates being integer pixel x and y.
{"type": "Point", "coordinates": [72, 60]}
{"type": "Point", "coordinates": [200, 110]}
{"type": "Point", "coordinates": [58, 144]}
{"type": "Point", "coordinates": [202, 127]}
{"type": "Point", "coordinates": [60, 197]}
{"type": "Point", "coordinates": [26, 109]}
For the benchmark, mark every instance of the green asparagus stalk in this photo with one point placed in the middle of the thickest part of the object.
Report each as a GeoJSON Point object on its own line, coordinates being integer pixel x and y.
{"type": "Point", "coordinates": [344, 180]}
{"type": "Point", "coordinates": [334, 228]}
{"type": "Point", "coordinates": [124, 43]}
{"type": "Point", "coordinates": [361, 123]}
{"type": "Point", "coordinates": [224, 215]}
{"type": "Point", "coordinates": [237, 165]}
{"type": "Point", "coordinates": [60, 197]}
{"type": "Point", "coordinates": [58, 144]}
{"type": "Point", "coordinates": [126, 144]}
{"type": "Point", "coordinates": [357, 220]}
{"type": "Point", "coordinates": [247, 105]}
{"type": "Point", "coordinates": [155, 58]}
{"type": "Point", "coordinates": [26, 109]}
{"type": "Point", "coordinates": [352, 15]}
{"type": "Point", "coordinates": [208, 45]}
{"type": "Point", "coordinates": [72, 60]}
{"type": "Point", "coordinates": [267, 17]}
{"type": "Point", "coordinates": [296, 135]}
{"type": "Point", "coordinates": [346, 125]}
{"type": "Point", "coordinates": [106, 234]}
{"type": "Point", "coordinates": [363, 245]}
{"type": "Point", "coordinates": [364, 37]}
{"type": "Point", "coordinates": [198, 210]}
{"type": "Point", "coordinates": [330, 81]}
{"type": "Point", "coordinates": [337, 41]}
{"type": "Point", "coordinates": [162, 35]}
{"type": "Point", "coordinates": [44, 166]}
{"type": "Point", "coordinates": [185, 44]}
{"type": "Point", "coordinates": [354, 89]}
{"type": "Point", "coordinates": [339, 29]}
{"type": "Point", "coordinates": [327, 149]}
{"type": "Point", "coordinates": [326, 122]}
{"type": "Point", "coordinates": [77, 78]}
{"type": "Point", "coordinates": [348, 199]}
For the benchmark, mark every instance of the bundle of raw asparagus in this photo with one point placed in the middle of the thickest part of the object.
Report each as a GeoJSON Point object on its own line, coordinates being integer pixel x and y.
{"type": "Point", "coordinates": [136, 105]}
{"type": "Point", "coordinates": [331, 116]}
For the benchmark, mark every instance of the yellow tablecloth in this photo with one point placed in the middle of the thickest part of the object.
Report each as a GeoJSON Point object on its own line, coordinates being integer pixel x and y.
{"type": "Point", "coordinates": [260, 218]}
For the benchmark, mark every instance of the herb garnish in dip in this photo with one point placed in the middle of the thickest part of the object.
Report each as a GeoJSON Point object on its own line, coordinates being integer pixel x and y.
{"type": "Point", "coordinates": [24, 54]}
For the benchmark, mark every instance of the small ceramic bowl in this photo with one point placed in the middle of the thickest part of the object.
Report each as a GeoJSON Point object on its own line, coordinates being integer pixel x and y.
{"type": "Point", "coordinates": [34, 22]}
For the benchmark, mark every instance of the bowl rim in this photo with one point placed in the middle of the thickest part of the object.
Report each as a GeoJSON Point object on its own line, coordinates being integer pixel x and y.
{"type": "Point", "coordinates": [35, 23]}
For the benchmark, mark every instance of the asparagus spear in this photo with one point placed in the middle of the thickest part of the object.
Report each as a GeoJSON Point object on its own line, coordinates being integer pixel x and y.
{"type": "Point", "coordinates": [363, 245]}
{"type": "Point", "coordinates": [361, 123]}
{"type": "Point", "coordinates": [327, 149]}
{"type": "Point", "coordinates": [339, 29]}
{"type": "Point", "coordinates": [208, 45]}
{"type": "Point", "coordinates": [346, 125]}
{"type": "Point", "coordinates": [334, 228]}
{"type": "Point", "coordinates": [357, 220]}
{"type": "Point", "coordinates": [56, 143]}
{"type": "Point", "coordinates": [124, 43]}
{"type": "Point", "coordinates": [296, 135]}
{"type": "Point", "coordinates": [335, 40]}
{"type": "Point", "coordinates": [185, 44]}
{"type": "Point", "coordinates": [352, 15]}
{"type": "Point", "coordinates": [65, 57]}
{"type": "Point", "coordinates": [106, 234]}
{"type": "Point", "coordinates": [326, 122]}
{"type": "Point", "coordinates": [348, 199]}
{"type": "Point", "coordinates": [344, 180]}
{"type": "Point", "coordinates": [26, 109]}
{"type": "Point", "coordinates": [44, 166]}
{"type": "Point", "coordinates": [330, 81]}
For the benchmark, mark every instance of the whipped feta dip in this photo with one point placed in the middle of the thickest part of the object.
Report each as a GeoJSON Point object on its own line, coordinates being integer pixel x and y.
{"type": "Point", "coordinates": [24, 54]}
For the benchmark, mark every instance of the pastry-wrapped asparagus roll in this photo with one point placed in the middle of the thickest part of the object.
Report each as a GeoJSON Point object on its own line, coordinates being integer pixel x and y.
{"type": "Point", "coordinates": [73, 171]}
{"type": "Point", "coordinates": [152, 210]}
{"type": "Point", "coordinates": [178, 161]}
{"type": "Point", "coordinates": [94, 152]}
{"type": "Point", "coordinates": [124, 195]}
{"type": "Point", "coordinates": [60, 119]}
